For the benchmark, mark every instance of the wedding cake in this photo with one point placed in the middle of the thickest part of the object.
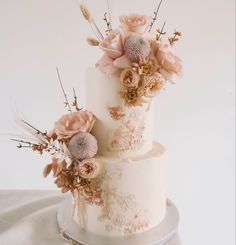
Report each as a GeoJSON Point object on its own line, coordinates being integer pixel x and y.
{"type": "Point", "coordinates": [105, 155]}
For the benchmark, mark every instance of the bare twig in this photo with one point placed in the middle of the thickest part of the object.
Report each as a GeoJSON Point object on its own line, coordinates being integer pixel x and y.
{"type": "Point", "coordinates": [67, 104]}
{"type": "Point", "coordinates": [75, 102]}
{"type": "Point", "coordinates": [161, 32]}
{"type": "Point", "coordinates": [109, 15]}
{"type": "Point", "coordinates": [108, 23]}
{"type": "Point", "coordinates": [26, 144]}
{"type": "Point", "coordinates": [155, 15]}
{"type": "Point", "coordinates": [36, 130]}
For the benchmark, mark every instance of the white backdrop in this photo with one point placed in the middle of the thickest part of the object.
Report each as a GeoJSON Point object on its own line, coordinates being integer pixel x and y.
{"type": "Point", "coordinates": [194, 119]}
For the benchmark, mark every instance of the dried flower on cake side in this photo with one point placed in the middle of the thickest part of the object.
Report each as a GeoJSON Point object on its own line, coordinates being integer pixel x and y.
{"type": "Point", "coordinates": [116, 113]}
{"type": "Point", "coordinates": [70, 124]}
{"type": "Point", "coordinates": [153, 84]}
{"type": "Point", "coordinates": [83, 145]}
{"type": "Point", "coordinates": [90, 168]}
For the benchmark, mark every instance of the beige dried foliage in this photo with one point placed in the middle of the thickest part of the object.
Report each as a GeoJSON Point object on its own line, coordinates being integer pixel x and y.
{"type": "Point", "coordinates": [93, 41]}
{"type": "Point", "coordinates": [47, 170]}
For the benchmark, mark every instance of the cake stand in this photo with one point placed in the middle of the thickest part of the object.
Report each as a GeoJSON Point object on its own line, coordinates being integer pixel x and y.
{"type": "Point", "coordinates": [70, 231]}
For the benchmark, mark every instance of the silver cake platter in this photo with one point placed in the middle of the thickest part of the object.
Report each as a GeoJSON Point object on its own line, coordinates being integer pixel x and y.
{"type": "Point", "coordinates": [70, 231]}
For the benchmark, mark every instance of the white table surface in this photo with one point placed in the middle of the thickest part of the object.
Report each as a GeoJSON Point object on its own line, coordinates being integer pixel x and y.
{"type": "Point", "coordinates": [29, 218]}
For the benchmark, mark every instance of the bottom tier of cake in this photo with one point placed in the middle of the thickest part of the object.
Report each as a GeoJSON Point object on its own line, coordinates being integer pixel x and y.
{"type": "Point", "coordinates": [134, 195]}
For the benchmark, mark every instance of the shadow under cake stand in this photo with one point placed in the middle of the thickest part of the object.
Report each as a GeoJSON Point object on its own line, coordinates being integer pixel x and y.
{"type": "Point", "coordinates": [70, 231]}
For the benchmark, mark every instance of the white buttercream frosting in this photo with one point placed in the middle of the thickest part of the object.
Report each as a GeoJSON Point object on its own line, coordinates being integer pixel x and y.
{"type": "Point", "coordinates": [134, 193]}
{"type": "Point", "coordinates": [121, 131]}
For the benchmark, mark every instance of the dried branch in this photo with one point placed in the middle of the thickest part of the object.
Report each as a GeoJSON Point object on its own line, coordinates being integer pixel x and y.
{"type": "Point", "coordinates": [45, 134]}
{"type": "Point", "coordinates": [108, 23]}
{"type": "Point", "coordinates": [160, 32]}
{"type": "Point", "coordinates": [75, 102]}
{"type": "Point", "coordinates": [155, 15]}
{"type": "Point", "coordinates": [175, 38]}
{"type": "Point", "coordinates": [26, 144]}
{"type": "Point", "coordinates": [67, 104]}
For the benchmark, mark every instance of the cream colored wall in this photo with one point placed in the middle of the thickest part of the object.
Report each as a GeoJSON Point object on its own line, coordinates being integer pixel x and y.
{"type": "Point", "coordinates": [194, 118]}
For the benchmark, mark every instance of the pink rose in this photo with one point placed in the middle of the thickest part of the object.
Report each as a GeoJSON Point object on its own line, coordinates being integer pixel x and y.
{"type": "Point", "coordinates": [112, 45]}
{"type": "Point", "coordinates": [170, 64]}
{"type": "Point", "coordinates": [113, 49]}
{"type": "Point", "coordinates": [135, 23]}
{"type": "Point", "coordinates": [70, 124]}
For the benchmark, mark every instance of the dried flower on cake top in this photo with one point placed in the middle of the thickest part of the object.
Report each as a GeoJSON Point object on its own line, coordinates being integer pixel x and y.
{"type": "Point", "coordinates": [129, 78]}
{"type": "Point", "coordinates": [83, 145]}
{"type": "Point", "coordinates": [134, 46]}
{"type": "Point", "coordinates": [135, 23]}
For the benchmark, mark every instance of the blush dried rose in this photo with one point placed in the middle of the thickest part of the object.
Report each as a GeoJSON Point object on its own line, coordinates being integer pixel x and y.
{"type": "Point", "coordinates": [135, 23]}
{"type": "Point", "coordinates": [112, 45]}
{"type": "Point", "coordinates": [89, 168]}
{"type": "Point", "coordinates": [129, 78]}
{"type": "Point", "coordinates": [70, 124]}
{"type": "Point", "coordinates": [153, 84]}
{"type": "Point", "coordinates": [170, 64]}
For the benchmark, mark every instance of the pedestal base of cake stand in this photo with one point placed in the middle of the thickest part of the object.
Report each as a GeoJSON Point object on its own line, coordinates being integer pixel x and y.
{"type": "Point", "coordinates": [70, 231]}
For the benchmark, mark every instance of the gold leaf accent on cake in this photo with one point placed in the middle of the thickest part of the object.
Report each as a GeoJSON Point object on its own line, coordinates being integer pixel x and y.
{"type": "Point", "coordinates": [129, 135]}
{"type": "Point", "coordinates": [119, 212]}
{"type": "Point", "coordinates": [116, 113]}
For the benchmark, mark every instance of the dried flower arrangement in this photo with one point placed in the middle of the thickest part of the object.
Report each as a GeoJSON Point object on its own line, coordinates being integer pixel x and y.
{"type": "Point", "coordinates": [72, 148]}
{"type": "Point", "coordinates": [144, 60]}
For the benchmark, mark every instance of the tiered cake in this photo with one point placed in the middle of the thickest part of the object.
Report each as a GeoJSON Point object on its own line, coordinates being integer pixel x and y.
{"type": "Point", "coordinates": [134, 181]}
{"type": "Point", "coordinates": [105, 155]}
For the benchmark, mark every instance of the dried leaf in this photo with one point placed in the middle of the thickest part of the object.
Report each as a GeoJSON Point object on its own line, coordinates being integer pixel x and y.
{"type": "Point", "coordinates": [47, 170]}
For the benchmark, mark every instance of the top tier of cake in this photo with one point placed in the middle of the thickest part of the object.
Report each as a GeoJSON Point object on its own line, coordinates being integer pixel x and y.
{"type": "Point", "coordinates": [121, 131]}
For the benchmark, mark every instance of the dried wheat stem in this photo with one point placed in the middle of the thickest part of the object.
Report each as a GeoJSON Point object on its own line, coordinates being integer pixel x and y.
{"type": "Point", "coordinates": [91, 21]}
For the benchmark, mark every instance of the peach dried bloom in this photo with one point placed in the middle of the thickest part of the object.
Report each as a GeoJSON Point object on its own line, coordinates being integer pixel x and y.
{"type": "Point", "coordinates": [133, 97]}
{"type": "Point", "coordinates": [89, 168]}
{"type": "Point", "coordinates": [135, 23]}
{"type": "Point", "coordinates": [153, 84]}
{"type": "Point", "coordinates": [129, 78]}
{"type": "Point", "coordinates": [70, 124]}
{"type": "Point", "coordinates": [145, 68]}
